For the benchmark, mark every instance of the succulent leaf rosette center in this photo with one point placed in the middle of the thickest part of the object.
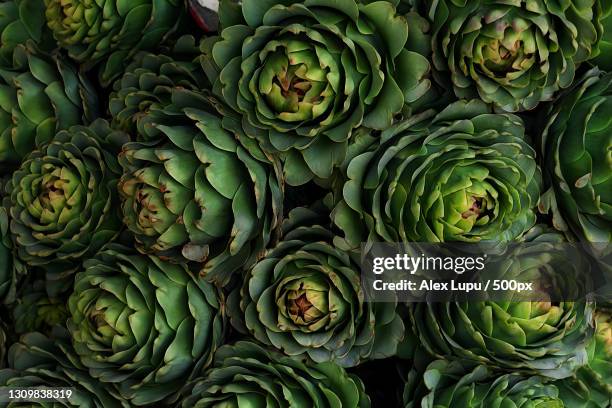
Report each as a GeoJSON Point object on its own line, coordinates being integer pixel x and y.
{"type": "Point", "coordinates": [505, 50]}
{"type": "Point", "coordinates": [60, 196]}
{"type": "Point", "coordinates": [295, 86]}
{"type": "Point", "coordinates": [470, 201]}
{"type": "Point", "coordinates": [76, 21]}
{"type": "Point", "coordinates": [304, 304]}
{"type": "Point", "coordinates": [316, 304]}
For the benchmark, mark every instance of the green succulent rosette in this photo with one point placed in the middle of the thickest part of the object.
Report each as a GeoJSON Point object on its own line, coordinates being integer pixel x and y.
{"type": "Point", "coordinates": [63, 202]}
{"type": "Point", "coordinates": [196, 191]}
{"type": "Point", "coordinates": [513, 54]}
{"type": "Point", "coordinates": [143, 326]}
{"type": "Point", "coordinates": [20, 21]}
{"type": "Point", "coordinates": [109, 33]}
{"type": "Point", "coordinates": [149, 79]}
{"type": "Point", "coordinates": [305, 298]}
{"type": "Point", "coordinates": [576, 144]}
{"type": "Point", "coordinates": [304, 74]}
{"type": "Point", "coordinates": [247, 375]}
{"type": "Point", "coordinates": [465, 175]}
{"type": "Point", "coordinates": [591, 386]}
{"type": "Point", "coordinates": [543, 336]}
{"type": "Point", "coordinates": [531, 336]}
{"type": "Point", "coordinates": [35, 311]}
{"type": "Point", "coordinates": [447, 384]}
{"type": "Point", "coordinates": [40, 361]}
{"type": "Point", "coordinates": [40, 94]}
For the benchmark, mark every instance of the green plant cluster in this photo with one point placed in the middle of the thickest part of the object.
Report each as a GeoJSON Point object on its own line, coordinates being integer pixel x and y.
{"type": "Point", "coordinates": [182, 210]}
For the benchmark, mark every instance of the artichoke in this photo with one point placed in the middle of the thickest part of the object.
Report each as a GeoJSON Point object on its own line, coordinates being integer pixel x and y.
{"type": "Point", "coordinates": [511, 53]}
{"type": "Point", "coordinates": [40, 94]}
{"type": "Point", "coordinates": [464, 175]}
{"type": "Point", "coordinates": [305, 298]}
{"type": "Point", "coordinates": [305, 73]}
{"type": "Point", "coordinates": [143, 326]}
{"type": "Point", "coordinates": [246, 375]}
{"type": "Point", "coordinates": [194, 191]}
{"type": "Point", "coordinates": [40, 361]}
{"type": "Point", "coordinates": [576, 144]}
{"type": "Point", "coordinates": [110, 32]}
{"type": "Point", "coordinates": [451, 384]}
{"type": "Point", "coordinates": [36, 311]}
{"type": "Point", "coordinates": [149, 79]}
{"type": "Point", "coordinates": [63, 199]}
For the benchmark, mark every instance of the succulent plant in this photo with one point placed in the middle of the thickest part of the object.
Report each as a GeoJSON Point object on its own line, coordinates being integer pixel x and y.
{"type": "Point", "coordinates": [305, 298]}
{"type": "Point", "coordinates": [601, 53]}
{"type": "Point", "coordinates": [194, 192]}
{"type": "Point", "coordinates": [143, 326]}
{"type": "Point", "coordinates": [452, 384]}
{"type": "Point", "coordinates": [193, 195]}
{"type": "Point", "coordinates": [465, 174]}
{"type": "Point", "coordinates": [20, 21]}
{"type": "Point", "coordinates": [41, 95]}
{"type": "Point", "coordinates": [108, 33]}
{"type": "Point", "coordinates": [513, 54]}
{"type": "Point", "coordinates": [62, 202]}
{"type": "Point", "coordinates": [576, 144]}
{"type": "Point", "coordinates": [40, 361]}
{"type": "Point", "coordinates": [148, 82]}
{"type": "Point", "coordinates": [10, 268]}
{"type": "Point", "coordinates": [35, 311]}
{"type": "Point", "coordinates": [540, 335]}
{"type": "Point", "coordinates": [245, 375]}
{"type": "Point", "coordinates": [591, 386]}
{"type": "Point", "coordinates": [304, 74]}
